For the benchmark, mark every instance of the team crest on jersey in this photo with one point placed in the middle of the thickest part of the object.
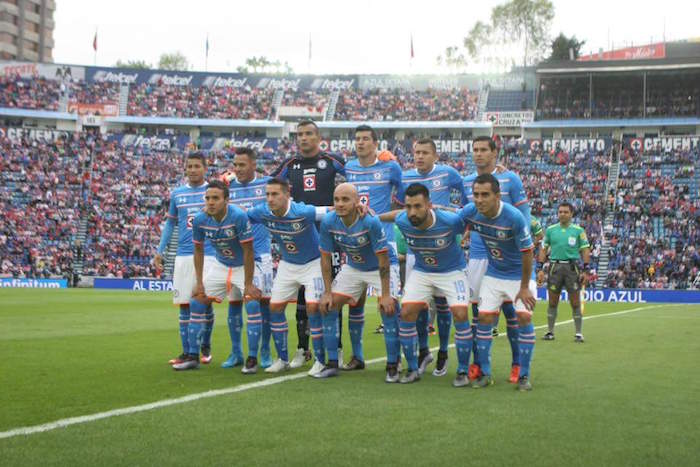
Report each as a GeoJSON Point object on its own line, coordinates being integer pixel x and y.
{"type": "Point", "coordinates": [364, 199]}
{"type": "Point", "coordinates": [357, 258]}
{"type": "Point", "coordinates": [430, 260]}
{"type": "Point", "coordinates": [228, 232]}
{"type": "Point", "coordinates": [310, 182]}
{"type": "Point", "coordinates": [291, 247]}
{"type": "Point", "coordinates": [296, 226]}
{"type": "Point", "coordinates": [322, 164]}
{"type": "Point", "coordinates": [501, 234]}
{"type": "Point", "coordinates": [361, 239]}
{"type": "Point", "coordinates": [436, 182]}
{"type": "Point", "coordinates": [440, 242]}
{"type": "Point", "coordinates": [377, 175]}
{"type": "Point", "coordinates": [258, 191]}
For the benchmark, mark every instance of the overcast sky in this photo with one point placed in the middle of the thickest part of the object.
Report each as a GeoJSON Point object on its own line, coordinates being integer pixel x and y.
{"type": "Point", "coordinates": [358, 36]}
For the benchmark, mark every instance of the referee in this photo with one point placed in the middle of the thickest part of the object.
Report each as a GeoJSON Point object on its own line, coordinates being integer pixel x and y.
{"type": "Point", "coordinates": [565, 243]}
{"type": "Point", "coordinates": [311, 174]}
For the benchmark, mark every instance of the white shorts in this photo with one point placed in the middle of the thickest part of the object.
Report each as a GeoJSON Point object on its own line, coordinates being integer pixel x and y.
{"type": "Point", "coordinates": [351, 282]}
{"type": "Point", "coordinates": [264, 275]}
{"type": "Point", "coordinates": [292, 276]}
{"type": "Point", "coordinates": [184, 278]}
{"type": "Point", "coordinates": [495, 291]}
{"type": "Point", "coordinates": [476, 270]}
{"type": "Point", "coordinates": [421, 286]}
{"type": "Point", "coordinates": [222, 281]}
{"type": "Point", "coordinates": [410, 262]}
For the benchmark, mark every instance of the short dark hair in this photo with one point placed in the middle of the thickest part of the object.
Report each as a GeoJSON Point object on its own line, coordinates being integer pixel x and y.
{"type": "Point", "coordinates": [429, 142]}
{"type": "Point", "coordinates": [488, 139]}
{"type": "Point", "coordinates": [280, 182]}
{"type": "Point", "coordinates": [199, 156]}
{"type": "Point", "coordinates": [308, 122]}
{"type": "Point", "coordinates": [491, 180]}
{"type": "Point", "coordinates": [367, 128]}
{"type": "Point", "coordinates": [415, 189]}
{"type": "Point", "coordinates": [250, 152]}
{"type": "Point", "coordinates": [219, 185]}
{"type": "Point", "coordinates": [567, 204]}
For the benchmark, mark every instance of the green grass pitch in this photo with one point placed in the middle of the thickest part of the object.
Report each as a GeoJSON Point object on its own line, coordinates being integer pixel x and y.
{"type": "Point", "coordinates": [628, 396]}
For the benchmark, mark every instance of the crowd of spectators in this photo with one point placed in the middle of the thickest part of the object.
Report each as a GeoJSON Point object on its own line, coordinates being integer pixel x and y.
{"type": "Point", "coordinates": [313, 101]}
{"type": "Point", "coordinates": [24, 93]}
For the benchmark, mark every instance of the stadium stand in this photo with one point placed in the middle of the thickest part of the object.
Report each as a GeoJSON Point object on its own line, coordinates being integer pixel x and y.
{"type": "Point", "coordinates": [24, 93]}
{"type": "Point", "coordinates": [508, 100]}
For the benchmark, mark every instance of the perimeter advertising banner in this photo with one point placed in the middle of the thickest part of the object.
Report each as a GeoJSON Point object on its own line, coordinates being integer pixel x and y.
{"type": "Point", "coordinates": [33, 283]}
{"type": "Point", "coordinates": [146, 285]}
{"type": "Point", "coordinates": [664, 143]}
{"type": "Point", "coordinates": [631, 296]}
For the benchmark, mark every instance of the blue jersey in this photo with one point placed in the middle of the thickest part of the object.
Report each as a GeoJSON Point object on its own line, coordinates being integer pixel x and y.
{"type": "Point", "coordinates": [375, 186]}
{"type": "Point", "coordinates": [506, 237]}
{"type": "Point", "coordinates": [226, 236]}
{"type": "Point", "coordinates": [185, 203]}
{"type": "Point", "coordinates": [436, 248]}
{"type": "Point", "coordinates": [360, 242]}
{"type": "Point", "coordinates": [512, 192]}
{"type": "Point", "coordinates": [441, 182]}
{"type": "Point", "coordinates": [247, 196]}
{"type": "Point", "coordinates": [295, 232]}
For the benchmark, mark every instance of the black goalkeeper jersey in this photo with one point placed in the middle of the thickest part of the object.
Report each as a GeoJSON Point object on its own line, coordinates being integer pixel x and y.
{"type": "Point", "coordinates": [312, 180]}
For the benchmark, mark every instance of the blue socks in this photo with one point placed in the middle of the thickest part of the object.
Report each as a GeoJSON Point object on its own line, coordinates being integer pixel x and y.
{"type": "Point", "coordinates": [356, 323]}
{"type": "Point", "coordinates": [254, 327]}
{"type": "Point", "coordinates": [316, 328]}
{"type": "Point", "coordinates": [265, 333]}
{"type": "Point", "coordinates": [444, 322]}
{"type": "Point", "coordinates": [409, 342]}
{"type": "Point", "coordinates": [280, 329]}
{"type": "Point", "coordinates": [391, 337]}
{"type": "Point", "coordinates": [184, 323]}
{"type": "Point", "coordinates": [463, 343]}
{"type": "Point", "coordinates": [512, 330]}
{"type": "Point", "coordinates": [483, 345]}
{"type": "Point", "coordinates": [235, 327]}
{"type": "Point", "coordinates": [331, 334]}
{"type": "Point", "coordinates": [194, 330]}
{"type": "Point", "coordinates": [208, 326]}
{"type": "Point", "coordinates": [475, 323]}
{"type": "Point", "coordinates": [422, 329]}
{"type": "Point", "coordinates": [527, 348]}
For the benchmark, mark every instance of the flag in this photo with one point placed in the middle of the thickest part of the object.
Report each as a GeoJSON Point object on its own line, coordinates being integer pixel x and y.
{"type": "Point", "coordinates": [412, 54]}
{"type": "Point", "coordinates": [206, 47]}
{"type": "Point", "coordinates": [94, 42]}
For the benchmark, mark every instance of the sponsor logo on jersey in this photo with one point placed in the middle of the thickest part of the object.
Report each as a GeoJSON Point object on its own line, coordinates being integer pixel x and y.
{"type": "Point", "coordinates": [322, 164]}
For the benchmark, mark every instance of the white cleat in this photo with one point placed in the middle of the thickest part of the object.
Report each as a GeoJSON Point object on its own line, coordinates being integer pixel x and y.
{"type": "Point", "coordinates": [316, 369]}
{"type": "Point", "coordinates": [298, 360]}
{"type": "Point", "coordinates": [277, 367]}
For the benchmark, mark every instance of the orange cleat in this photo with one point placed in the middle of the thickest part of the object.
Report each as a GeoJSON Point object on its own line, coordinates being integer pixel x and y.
{"type": "Point", "coordinates": [474, 371]}
{"type": "Point", "coordinates": [177, 360]}
{"type": "Point", "coordinates": [514, 374]}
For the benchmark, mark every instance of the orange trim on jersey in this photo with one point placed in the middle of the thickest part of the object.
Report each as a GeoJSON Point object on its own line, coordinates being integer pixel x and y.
{"type": "Point", "coordinates": [229, 276]}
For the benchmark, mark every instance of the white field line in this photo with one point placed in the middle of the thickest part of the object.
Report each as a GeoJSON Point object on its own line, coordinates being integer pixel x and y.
{"type": "Point", "coordinates": [30, 430]}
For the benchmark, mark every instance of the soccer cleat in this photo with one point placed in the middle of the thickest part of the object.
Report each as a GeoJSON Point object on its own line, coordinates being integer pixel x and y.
{"type": "Point", "coordinates": [380, 329]}
{"type": "Point", "coordinates": [328, 371]}
{"type": "Point", "coordinates": [411, 376]}
{"type": "Point", "coordinates": [578, 338]}
{"type": "Point", "coordinates": [514, 374]}
{"type": "Point", "coordinates": [482, 382]}
{"type": "Point", "coordinates": [265, 358]}
{"type": "Point", "coordinates": [424, 359]}
{"type": "Point", "coordinates": [494, 332]}
{"type": "Point", "coordinates": [549, 336]}
{"type": "Point", "coordinates": [461, 380]}
{"type": "Point", "coordinates": [353, 364]}
{"type": "Point", "coordinates": [474, 371]}
{"type": "Point", "coordinates": [277, 367]}
{"type": "Point", "coordinates": [316, 368]}
{"type": "Point", "coordinates": [179, 359]}
{"type": "Point", "coordinates": [431, 330]}
{"type": "Point", "coordinates": [441, 365]}
{"type": "Point", "coordinates": [524, 384]}
{"type": "Point", "coordinates": [206, 355]}
{"type": "Point", "coordinates": [299, 359]}
{"type": "Point", "coordinates": [392, 374]}
{"type": "Point", "coordinates": [233, 360]}
{"type": "Point", "coordinates": [250, 367]}
{"type": "Point", "coordinates": [191, 362]}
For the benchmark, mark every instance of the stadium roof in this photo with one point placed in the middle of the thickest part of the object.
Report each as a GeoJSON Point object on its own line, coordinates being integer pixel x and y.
{"type": "Point", "coordinates": [194, 122]}
{"type": "Point", "coordinates": [27, 113]}
{"type": "Point", "coordinates": [600, 123]}
{"type": "Point", "coordinates": [607, 66]}
{"type": "Point", "coordinates": [418, 125]}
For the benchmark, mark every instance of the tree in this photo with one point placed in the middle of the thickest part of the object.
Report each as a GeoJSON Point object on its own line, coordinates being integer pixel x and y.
{"type": "Point", "coordinates": [174, 61]}
{"type": "Point", "coordinates": [137, 64]}
{"type": "Point", "coordinates": [263, 65]}
{"type": "Point", "coordinates": [561, 46]}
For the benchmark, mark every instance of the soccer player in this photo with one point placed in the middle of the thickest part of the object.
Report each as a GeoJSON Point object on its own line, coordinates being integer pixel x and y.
{"type": "Point", "coordinates": [293, 226]}
{"type": "Point", "coordinates": [231, 275]}
{"type": "Point", "coordinates": [376, 182]}
{"type": "Point", "coordinates": [186, 202]}
{"type": "Point", "coordinates": [506, 235]}
{"type": "Point", "coordinates": [312, 175]}
{"type": "Point", "coordinates": [565, 243]}
{"type": "Point", "coordinates": [441, 181]}
{"type": "Point", "coordinates": [370, 262]}
{"type": "Point", "coordinates": [246, 191]}
{"type": "Point", "coordinates": [439, 271]}
{"type": "Point", "coordinates": [512, 192]}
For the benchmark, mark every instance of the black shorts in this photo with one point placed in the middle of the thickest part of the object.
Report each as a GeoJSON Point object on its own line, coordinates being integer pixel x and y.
{"type": "Point", "coordinates": [564, 275]}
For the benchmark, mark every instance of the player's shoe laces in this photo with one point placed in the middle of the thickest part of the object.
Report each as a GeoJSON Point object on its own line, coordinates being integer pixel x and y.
{"type": "Point", "coordinates": [578, 338]}
{"type": "Point", "coordinates": [318, 366]}
{"type": "Point", "coordinates": [265, 358]}
{"type": "Point", "coordinates": [380, 329]}
{"type": "Point", "coordinates": [328, 371]}
{"type": "Point", "coordinates": [431, 330]}
{"type": "Point", "coordinates": [191, 362]}
{"type": "Point", "coordinates": [461, 380]}
{"type": "Point", "coordinates": [441, 365]}
{"type": "Point", "coordinates": [353, 364]}
{"type": "Point", "coordinates": [411, 376]}
{"type": "Point", "coordinates": [250, 367]}
{"type": "Point", "coordinates": [425, 358]}
{"type": "Point", "coordinates": [392, 373]}
{"type": "Point", "coordinates": [482, 382]}
{"type": "Point", "coordinates": [232, 361]}
{"type": "Point", "coordinates": [206, 355]}
{"type": "Point", "coordinates": [299, 359]}
{"type": "Point", "coordinates": [549, 336]}
{"type": "Point", "coordinates": [179, 359]}
{"type": "Point", "coordinates": [514, 374]}
{"type": "Point", "coordinates": [278, 366]}
{"type": "Point", "coordinates": [524, 384]}
{"type": "Point", "coordinates": [474, 371]}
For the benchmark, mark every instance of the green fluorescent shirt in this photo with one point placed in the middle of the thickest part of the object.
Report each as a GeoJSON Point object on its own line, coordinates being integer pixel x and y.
{"type": "Point", "coordinates": [565, 243]}
{"type": "Point", "coordinates": [400, 241]}
{"type": "Point", "coordinates": [535, 227]}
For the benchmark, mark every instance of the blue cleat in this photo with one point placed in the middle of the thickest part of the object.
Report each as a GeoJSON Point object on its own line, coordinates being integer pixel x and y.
{"type": "Point", "coordinates": [265, 358]}
{"type": "Point", "coordinates": [232, 361]}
